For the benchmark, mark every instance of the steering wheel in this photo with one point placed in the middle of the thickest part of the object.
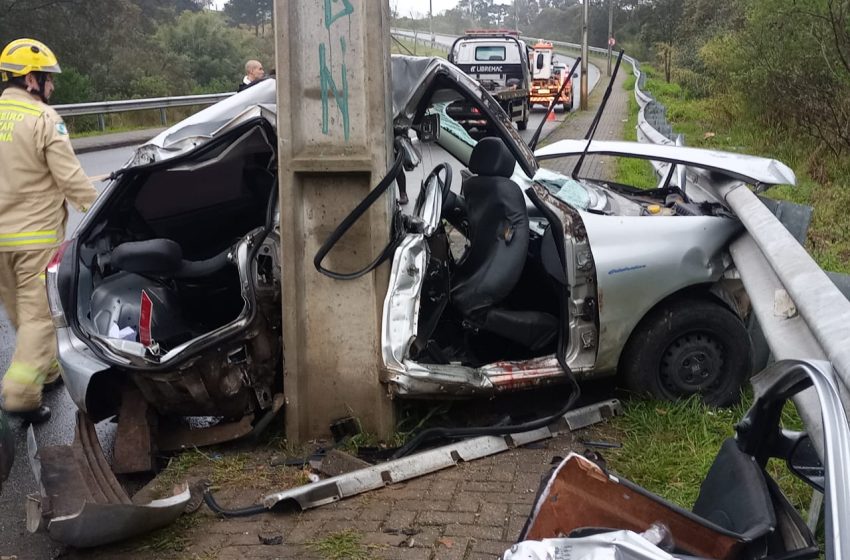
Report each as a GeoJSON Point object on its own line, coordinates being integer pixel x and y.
{"type": "Point", "coordinates": [445, 183]}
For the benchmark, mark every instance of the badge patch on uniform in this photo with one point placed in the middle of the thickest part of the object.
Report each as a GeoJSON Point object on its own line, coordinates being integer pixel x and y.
{"type": "Point", "coordinates": [62, 129]}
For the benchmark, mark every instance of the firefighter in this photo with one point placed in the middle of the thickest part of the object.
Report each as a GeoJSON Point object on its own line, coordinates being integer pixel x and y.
{"type": "Point", "coordinates": [39, 173]}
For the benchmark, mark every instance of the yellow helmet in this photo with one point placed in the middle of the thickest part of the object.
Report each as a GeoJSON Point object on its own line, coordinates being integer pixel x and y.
{"type": "Point", "coordinates": [22, 56]}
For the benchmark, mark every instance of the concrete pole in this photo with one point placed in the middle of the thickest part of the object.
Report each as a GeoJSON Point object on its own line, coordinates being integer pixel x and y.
{"type": "Point", "coordinates": [583, 97]}
{"type": "Point", "coordinates": [610, 33]}
{"type": "Point", "coordinates": [334, 144]}
{"type": "Point", "coordinates": [431, 21]}
{"type": "Point", "coordinates": [516, 17]}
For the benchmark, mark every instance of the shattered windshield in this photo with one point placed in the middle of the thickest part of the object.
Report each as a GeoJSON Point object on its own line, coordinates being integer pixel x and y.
{"type": "Point", "coordinates": [567, 189]}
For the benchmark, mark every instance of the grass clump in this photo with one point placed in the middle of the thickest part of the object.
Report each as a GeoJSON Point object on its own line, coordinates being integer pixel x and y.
{"type": "Point", "coordinates": [344, 545]}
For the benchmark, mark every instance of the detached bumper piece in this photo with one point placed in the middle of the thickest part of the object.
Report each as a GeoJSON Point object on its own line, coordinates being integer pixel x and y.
{"type": "Point", "coordinates": [371, 478]}
{"type": "Point", "coordinates": [81, 503]}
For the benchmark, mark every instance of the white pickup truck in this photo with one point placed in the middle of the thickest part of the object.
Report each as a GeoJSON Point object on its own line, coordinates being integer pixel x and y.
{"type": "Point", "coordinates": [498, 60]}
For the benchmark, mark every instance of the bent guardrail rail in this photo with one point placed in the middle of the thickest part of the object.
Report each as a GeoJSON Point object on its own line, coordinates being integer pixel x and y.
{"type": "Point", "coordinates": [800, 309]}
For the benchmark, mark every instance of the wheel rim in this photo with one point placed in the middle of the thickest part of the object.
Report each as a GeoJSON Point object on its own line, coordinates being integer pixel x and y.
{"type": "Point", "coordinates": [693, 363]}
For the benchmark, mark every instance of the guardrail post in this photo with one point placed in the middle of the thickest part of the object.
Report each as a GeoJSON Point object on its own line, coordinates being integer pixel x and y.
{"type": "Point", "coordinates": [163, 117]}
{"type": "Point", "coordinates": [101, 121]}
{"type": "Point", "coordinates": [332, 151]}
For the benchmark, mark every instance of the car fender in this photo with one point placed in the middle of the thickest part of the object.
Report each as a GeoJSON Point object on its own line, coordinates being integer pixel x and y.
{"type": "Point", "coordinates": [642, 260]}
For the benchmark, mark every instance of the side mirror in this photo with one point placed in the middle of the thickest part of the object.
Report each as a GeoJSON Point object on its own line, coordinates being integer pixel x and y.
{"type": "Point", "coordinates": [429, 129]}
{"type": "Point", "coordinates": [539, 62]}
{"type": "Point", "coordinates": [804, 462]}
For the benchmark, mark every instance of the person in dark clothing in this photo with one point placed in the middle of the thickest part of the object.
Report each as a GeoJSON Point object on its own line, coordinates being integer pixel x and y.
{"type": "Point", "coordinates": [253, 73]}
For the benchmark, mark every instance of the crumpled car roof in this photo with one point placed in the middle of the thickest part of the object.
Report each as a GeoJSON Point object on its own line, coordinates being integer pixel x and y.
{"type": "Point", "coordinates": [408, 72]}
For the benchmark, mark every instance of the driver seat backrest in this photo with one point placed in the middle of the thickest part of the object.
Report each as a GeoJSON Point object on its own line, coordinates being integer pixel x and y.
{"type": "Point", "coordinates": [498, 248]}
{"type": "Point", "coordinates": [498, 230]}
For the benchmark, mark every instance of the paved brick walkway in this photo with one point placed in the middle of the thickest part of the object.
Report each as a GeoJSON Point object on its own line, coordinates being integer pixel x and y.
{"type": "Point", "coordinates": [610, 128]}
{"type": "Point", "coordinates": [471, 512]}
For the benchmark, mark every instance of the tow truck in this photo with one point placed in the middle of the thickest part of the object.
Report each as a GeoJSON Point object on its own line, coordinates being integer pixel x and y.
{"type": "Point", "coordinates": [498, 60]}
{"type": "Point", "coordinates": [547, 77]}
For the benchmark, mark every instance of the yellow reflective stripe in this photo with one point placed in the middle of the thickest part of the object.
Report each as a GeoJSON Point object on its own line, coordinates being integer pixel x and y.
{"type": "Point", "coordinates": [24, 374]}
{"type": "Point", "coordinates": [42, 277]}
{"type": "Point", "coordinates": [28, 238]}
{"type": "Point", "coordinates": [18, 111]}
{"type": "Point", "coordinates": [28, 242]}
{"type": "Point", "coordinates": [10, 110]}
{"type": "Point", "coordinates": [21, 105]}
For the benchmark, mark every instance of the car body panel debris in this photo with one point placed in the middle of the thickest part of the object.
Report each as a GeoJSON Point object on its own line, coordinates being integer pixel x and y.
{"type": "Point", "coordinates": [357, 482]}
{"type": "Point", "coordinates": [81, 502]}
{"type": "Point", "coordinates": [740, 513]}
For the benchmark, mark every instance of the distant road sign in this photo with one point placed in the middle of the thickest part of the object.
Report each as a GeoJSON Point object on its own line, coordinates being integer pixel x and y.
{"type": "Point", "coordinates": [611, 41]}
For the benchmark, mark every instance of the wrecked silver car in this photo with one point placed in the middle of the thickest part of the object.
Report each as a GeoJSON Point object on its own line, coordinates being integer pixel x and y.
{"type": "Point", "coordinates": [513, 274]}
{"type": "Point", "coordinates": [167, 299]}
{"type": "Point", "coordinates": [741, 513]}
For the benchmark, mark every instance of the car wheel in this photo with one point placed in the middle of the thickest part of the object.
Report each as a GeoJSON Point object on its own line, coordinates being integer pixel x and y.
{"type": "Point", "coordinates": [688, 347]}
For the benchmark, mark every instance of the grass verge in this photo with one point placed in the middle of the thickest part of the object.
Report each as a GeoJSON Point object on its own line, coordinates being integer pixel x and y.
{"type": "Point", "coordinates": [632, 171]}
{"type": "Point", "coordinates": [823, 179]}
{"type": "Point", "coordinates": [685, 437]}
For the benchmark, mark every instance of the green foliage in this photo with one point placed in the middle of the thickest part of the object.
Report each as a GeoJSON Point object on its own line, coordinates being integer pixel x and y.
{"type": "Point", "coordinates": [73, 87]}
{"type": "Point", "coordinates": [211, 49]}
{"type": "Point", "coordinates": [120, 49]}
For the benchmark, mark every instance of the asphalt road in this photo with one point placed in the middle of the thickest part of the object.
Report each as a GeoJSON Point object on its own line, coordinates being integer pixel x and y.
{"type": "Point", "coordinates": [14, 538]}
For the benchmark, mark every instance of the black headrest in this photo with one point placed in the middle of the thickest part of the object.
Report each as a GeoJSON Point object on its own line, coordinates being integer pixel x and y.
{"type": "Point", "coordinates": [491, 157]}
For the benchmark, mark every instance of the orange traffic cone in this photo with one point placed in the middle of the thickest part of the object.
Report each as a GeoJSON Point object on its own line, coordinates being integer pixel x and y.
{"type": "Point", "coordinates": [551, 115]}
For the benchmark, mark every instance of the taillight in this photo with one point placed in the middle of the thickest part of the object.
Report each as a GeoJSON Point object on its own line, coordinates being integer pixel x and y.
{"type": "Point", "coordinates": [53, 265]}
{"type": "Point", "coordinates": [52, 281]}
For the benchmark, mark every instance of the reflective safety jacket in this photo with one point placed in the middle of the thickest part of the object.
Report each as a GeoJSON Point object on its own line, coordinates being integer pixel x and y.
{"type": "Point", "coordinates": [38, 174]}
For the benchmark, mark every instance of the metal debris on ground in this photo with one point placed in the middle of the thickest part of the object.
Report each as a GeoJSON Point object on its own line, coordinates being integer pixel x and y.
{"type": "Point", "coordinates": [81, 503]}
{"type": "Point", "coordinates": [412, 466]}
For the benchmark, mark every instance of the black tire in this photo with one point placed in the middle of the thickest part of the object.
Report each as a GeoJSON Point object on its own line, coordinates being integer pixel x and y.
{"type": "Point", "coordinates": [685, 347]}
{"type": "Point", "coordinates": [523, 124]}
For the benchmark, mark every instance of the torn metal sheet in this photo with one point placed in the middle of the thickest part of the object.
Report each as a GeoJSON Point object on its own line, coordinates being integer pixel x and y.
{"type": "Point", "coordinates": [377, 476]}
{"type": "Point", "coordinates": [81, 503]}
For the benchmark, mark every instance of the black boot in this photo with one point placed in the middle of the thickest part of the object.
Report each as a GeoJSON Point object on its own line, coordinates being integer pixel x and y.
{"type": "Point", "coordinates": [402, 198]}
{"type": "Point", "coordinates": [36, 416]}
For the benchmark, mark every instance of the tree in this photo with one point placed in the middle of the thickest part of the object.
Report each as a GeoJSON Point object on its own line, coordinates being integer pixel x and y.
{"type": "Point", "coordinates": [253, 13]}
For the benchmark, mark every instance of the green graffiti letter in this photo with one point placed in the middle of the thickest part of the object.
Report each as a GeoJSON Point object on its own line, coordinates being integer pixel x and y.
{"type": "Point", "coordinates": [330, 17]}
{"type": "Point", "coordinates": [329, 87]}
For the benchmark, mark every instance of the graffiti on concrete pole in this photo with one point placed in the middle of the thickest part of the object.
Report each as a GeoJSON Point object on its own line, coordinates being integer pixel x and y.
{"type": "Point", "coordinates": [326, 74]}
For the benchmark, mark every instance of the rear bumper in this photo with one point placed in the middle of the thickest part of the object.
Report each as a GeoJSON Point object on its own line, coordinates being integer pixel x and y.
{"type": "Point", "coordinates": [79, 365]}
{"type": "Point", "coordinates": [81, 503]}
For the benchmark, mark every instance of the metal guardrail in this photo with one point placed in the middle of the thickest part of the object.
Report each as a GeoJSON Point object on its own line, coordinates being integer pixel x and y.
{"type": "Point", "coordinates": [101, 108]}
{"type": "Point", "coordinates": [799, 307]}
{"type": "Point", "coordinates": [422, 38]}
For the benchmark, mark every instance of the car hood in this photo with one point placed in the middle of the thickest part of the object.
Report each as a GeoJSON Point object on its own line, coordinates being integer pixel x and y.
{"type": "Point", "coordinates": [750, 169]}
